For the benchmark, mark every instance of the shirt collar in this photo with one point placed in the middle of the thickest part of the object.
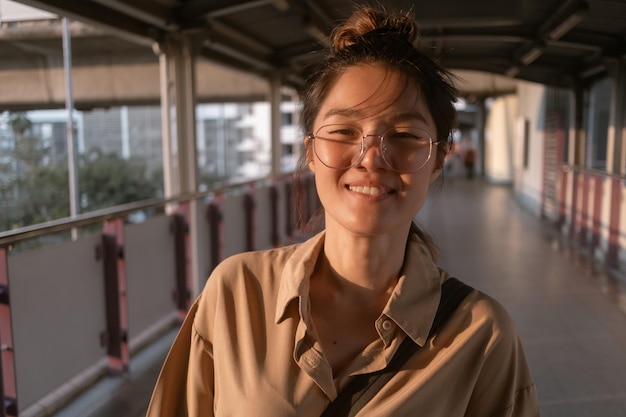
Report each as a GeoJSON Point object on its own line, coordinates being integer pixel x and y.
{"type": "Point", "coordinates": [414, 301]}
{"type": "Point", "coordinates": [294, 281]}
{"type": "Point", "coordinates": [412, 305]}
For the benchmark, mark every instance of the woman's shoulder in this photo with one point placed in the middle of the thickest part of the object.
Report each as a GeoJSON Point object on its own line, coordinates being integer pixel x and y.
{"type": "Point", "coordinates": [253, 264]}
{"type": "Point", "coordinates": [256, 259]}
{"type": "Point", "coordinates": [240, 281]}
{"type": "Point", "coordinates": [267, 264]}
{"type": "Point", "coordinates": [487, 318]}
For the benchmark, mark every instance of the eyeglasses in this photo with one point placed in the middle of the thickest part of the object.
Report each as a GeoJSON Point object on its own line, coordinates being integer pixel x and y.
{"type": "Point", "coordinates": [404, 149]}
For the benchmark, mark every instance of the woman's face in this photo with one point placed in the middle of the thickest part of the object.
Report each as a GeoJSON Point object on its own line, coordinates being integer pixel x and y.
{"type": "Point", "coordinates": [370, 198]}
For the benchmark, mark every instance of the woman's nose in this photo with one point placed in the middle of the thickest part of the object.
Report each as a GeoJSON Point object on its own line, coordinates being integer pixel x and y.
{"type": "Point", "coordinates": [372, 157]}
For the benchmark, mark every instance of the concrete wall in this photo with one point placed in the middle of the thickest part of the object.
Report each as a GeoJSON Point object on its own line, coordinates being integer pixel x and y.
{"type": "Point", "coordinates": [499, 139]}
{"type": "Point", "coordinates": [528, 172]}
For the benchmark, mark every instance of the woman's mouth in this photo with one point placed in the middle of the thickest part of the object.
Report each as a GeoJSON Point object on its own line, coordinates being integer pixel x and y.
{"type": "Point", "coordinates": [369, 190]}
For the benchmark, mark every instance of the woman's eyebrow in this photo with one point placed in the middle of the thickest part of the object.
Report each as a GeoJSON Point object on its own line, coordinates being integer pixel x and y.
{"type": "Point", "coordinates": [410, 116]}
{"type": "Point", "coordinates": [349, 112]}
{"type": "Point", "coordinates": [357, 113]}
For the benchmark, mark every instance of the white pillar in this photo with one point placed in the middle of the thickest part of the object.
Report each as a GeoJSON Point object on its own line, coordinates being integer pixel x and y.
{"type": "Point", "coordinates": [180, 166]}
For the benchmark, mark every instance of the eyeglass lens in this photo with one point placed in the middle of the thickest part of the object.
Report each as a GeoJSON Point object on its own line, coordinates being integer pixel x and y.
{"type": "Point", "coordinates": [404, 149]}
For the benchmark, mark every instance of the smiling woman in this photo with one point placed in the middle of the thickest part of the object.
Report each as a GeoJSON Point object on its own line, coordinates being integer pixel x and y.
{"type": "Point", "coordinates": [284, 332]}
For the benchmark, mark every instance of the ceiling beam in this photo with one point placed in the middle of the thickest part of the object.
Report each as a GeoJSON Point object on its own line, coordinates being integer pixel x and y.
{"type": "Point", "coordinates": [555, 26]}
{"type": "Point", "coordinates": [98, 15]}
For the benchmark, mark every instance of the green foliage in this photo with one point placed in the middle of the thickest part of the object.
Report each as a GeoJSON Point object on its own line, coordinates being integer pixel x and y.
{"type": "Point", "coordinates": [104, 181]}
{"type": "Point", "coordinates": [20, 124]}
{"type": "Point", "coordinates": [30, 151]}
{"type": "Point", "coordinates": [32, 192]}
{"type": "Point", "coordinates": [107, 180]}
{"type": "Point", "coordinates": [42, 195]}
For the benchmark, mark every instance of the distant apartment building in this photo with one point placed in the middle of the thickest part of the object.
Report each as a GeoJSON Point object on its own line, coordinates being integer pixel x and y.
{"type": "Point", "coordinates": [233, 139]}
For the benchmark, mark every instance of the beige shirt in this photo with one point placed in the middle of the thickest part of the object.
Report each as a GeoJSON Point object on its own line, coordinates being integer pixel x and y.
{"type": "Point", "coordinates": [248, 347]}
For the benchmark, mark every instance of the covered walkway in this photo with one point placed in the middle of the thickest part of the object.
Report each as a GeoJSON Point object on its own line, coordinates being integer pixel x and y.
{"type": "Point", "coordinates": [571, 317]}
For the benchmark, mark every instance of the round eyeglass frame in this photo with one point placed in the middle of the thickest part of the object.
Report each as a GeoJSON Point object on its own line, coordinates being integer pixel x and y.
{"type": "Point", "coordinates": [365, 148]}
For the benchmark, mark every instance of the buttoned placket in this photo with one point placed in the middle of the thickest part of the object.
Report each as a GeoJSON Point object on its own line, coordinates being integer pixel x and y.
{"type": "Point", "coordinates": [385, 327]}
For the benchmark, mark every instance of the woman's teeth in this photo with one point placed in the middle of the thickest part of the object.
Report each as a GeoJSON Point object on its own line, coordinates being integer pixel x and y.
{"type": "Point", "coordinates": [367, 190]}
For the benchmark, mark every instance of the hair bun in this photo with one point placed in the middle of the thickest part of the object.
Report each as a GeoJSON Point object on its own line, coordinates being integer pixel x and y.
{"type": "Point", "coordinates": [367, 20]}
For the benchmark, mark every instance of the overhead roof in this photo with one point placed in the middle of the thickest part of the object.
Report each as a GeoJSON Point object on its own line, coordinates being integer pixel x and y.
{"type": "Point", "coordinates": [554, 42]}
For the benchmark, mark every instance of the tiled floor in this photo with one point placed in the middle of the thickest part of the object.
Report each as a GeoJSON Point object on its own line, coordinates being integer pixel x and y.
{"type": "Point", "coordinates": [572, 321]}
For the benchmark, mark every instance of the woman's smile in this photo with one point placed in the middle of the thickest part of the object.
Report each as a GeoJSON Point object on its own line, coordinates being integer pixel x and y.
{"type": "Point", "coordinates": [370, 190]}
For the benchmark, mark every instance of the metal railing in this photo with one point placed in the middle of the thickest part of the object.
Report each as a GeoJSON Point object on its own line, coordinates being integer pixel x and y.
{"type": "Point", "coordinates": [590, 206]}
{"type": "Point", "coordinates": [74, 310]}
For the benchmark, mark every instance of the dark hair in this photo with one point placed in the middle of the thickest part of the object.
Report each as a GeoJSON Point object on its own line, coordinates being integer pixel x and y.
{"type": "Point", "coordinates": [375, 36]}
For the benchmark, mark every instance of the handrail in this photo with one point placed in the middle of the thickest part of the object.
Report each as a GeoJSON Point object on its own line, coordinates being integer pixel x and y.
{"type": "Point", "coordinates": [578, 168]}
{"type": "Point", "coordinates": [59, 225]}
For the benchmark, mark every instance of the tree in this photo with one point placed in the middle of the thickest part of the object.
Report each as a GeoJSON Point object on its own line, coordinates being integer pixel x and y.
{"type": "Point", "coordinates": [36, 193]}
{"type": "Point", "coordinates": [43, 196]}
{"type": "Point", "coordinates": [107, 180]}
{"type": "Point", "coordinates": [29, 149]}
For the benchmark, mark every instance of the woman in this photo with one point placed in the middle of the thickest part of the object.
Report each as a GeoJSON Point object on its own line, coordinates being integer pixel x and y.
{"type": "Point", "coordinates": [281, 332]}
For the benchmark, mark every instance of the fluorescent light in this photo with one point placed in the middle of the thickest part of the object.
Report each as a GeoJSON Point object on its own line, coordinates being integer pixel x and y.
{"type": "Point", "coordinates": [512, 72]}
{"type": "Point", "coordinates": [531, 55]}
{"type": "Point", "coordinates": [567, 24]}
{"type": "Point", "coordinates": [592, 71]}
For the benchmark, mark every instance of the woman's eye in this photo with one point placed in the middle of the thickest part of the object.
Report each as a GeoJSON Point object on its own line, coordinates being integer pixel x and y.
{"type": "Point", "coordinates": [416, 136]}
{"type": "Point", "coordinates": [407, 135]}
{"type": "Point", "coordinates": [343, 132]}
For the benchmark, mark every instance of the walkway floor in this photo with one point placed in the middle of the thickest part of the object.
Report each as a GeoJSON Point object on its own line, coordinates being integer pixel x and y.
{"type": "Point", "coordinates": [572, 320]}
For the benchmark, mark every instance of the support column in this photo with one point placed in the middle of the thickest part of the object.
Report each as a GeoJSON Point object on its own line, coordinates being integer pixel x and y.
{"type": "Point", "coordinates": [577, 153]}
{"type": "Point", "coordinates": [178, 100]}
{"type": "Point", "coordinates": [177, 55]}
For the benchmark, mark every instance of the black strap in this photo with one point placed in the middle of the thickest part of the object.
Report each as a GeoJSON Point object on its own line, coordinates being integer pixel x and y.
{"type": "Point", "coordinates": [363, 387]}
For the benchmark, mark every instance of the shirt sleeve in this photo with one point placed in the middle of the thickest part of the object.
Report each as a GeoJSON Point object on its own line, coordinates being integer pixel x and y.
{"type": "Point", "coordinates": [185, 384]}
{"type": "Point", "coordinates": [504, 387]}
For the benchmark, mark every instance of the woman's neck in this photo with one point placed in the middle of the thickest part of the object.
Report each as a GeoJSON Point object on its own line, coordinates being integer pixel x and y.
{"type": "Point", "coordinates": [370, 263]}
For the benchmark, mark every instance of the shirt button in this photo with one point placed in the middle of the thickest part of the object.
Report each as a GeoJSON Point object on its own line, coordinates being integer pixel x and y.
{"type": "Point", "coordinates": [387, 325]}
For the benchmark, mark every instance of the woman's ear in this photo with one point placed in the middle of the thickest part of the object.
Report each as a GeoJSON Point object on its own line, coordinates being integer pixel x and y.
{"type": "Point", "coordinates": [308, 149]}
{"type": "Point", "coordinates": [439, 163]}
{"type": "Point", "coordinates": [435, 174]}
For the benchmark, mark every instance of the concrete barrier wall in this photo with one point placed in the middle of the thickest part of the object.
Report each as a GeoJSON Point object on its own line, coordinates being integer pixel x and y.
{"type": "Point", "coordinates": [58, 315]}
{"type": "Point", "coordinates": [60, 307]}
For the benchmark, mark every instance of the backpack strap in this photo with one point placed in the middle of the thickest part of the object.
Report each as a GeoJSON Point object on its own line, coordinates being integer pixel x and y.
{"type": "Point", "coordinates": [363, 387]}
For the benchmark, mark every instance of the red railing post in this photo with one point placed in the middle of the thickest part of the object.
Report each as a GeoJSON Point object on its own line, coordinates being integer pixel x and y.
{"type": "Point", "coordinates": [275, 239]}
{"type": "Point", "coordinates": [115, 337]}
{"type": "Point", "coordinates": [597, 212]}
{"type": "Point", "coordinates": [290, 205]}
{"type": "Point", "coordinates": [249, 209]}
{"type": "Point", "coordinates": [612, 256]}
{"type": "Point", "coordinates": [180, 229]}
{"type": "Point", "coordinates": [562, 200]}
{"type": "Point", "coordinates": [8, 389]}
{"type": "Point", "coordinates": [574, 207]}
{"type": "Point", "coordinates": [214, 213]}
{"type": "Point", "coordinates": [584, 212]}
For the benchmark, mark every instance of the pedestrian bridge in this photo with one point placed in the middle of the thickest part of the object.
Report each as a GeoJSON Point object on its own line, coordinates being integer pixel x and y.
{"type": "Point", "coordinates": [89, 303]}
